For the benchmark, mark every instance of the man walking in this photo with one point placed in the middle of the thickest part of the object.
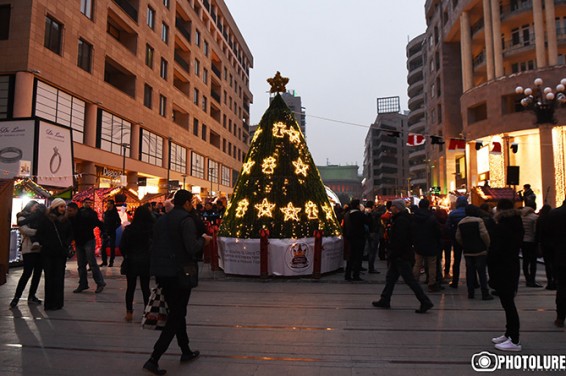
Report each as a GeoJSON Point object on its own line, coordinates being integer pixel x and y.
{"type": "Point", "coordinates": [400, 256]}
{"type": "Point", "coordinates": [426, 236]}
{"type": "Point", "coordinates": [355, 232]}
{"type": "Point", "coordinates": [83, 221]}
{"type": "Point", "coordinates": [175, 243]}
{"type": "Point", "coordinates": [112, 221]}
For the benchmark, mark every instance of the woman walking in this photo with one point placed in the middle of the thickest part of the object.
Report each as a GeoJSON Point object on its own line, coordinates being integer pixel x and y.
{"type": "Point", "coordinates": [55, 236]}
{"type": "Point", "coordinates": [135, 247]}
{"type": "Point", "coordinates": [28, 219]}
{"type": "Point", "coordinates": [505, 268]}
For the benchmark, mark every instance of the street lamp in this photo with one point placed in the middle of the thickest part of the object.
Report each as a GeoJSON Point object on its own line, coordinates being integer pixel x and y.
{"type": "Point", "coordinates": [210, 171]}
{"type": "Point", "coordinates": [543, 101]}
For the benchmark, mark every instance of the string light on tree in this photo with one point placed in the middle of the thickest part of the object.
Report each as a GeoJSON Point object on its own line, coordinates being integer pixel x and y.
{"type": "Point", "coordinates": [242, 208]}
{"type": "Point", "coordinates": [279, 130]}
{"type": "Point", "coordinates": [247, 167]}
{"type": "Point", "coordinates": [300, 167]}
{"type": "Point", "coordinates": [265, 209]}
{"type": "Point", "coordinates": [311, 209]}
{"type": "Point", "coordinates": [256, 134]}
{"type": "Point", "coordinates": [291, 213]}
{"type": "Point", "coordinates": [268, 165]}
{"type": "Point", "coordinates": [294, 136]}
{"type": "Point", "coordinates": [328, 211]}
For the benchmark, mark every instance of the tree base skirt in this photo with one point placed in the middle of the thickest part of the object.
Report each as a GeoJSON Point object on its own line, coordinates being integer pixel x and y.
{"type": "Point", "coordinates": [285, 257]}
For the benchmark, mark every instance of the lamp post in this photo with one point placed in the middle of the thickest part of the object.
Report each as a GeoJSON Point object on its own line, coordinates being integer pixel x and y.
{"type": "Point", "coordinates": [184, 176]}
{"type": "Point", "coordinates": [543, 101]}
{"type": "Point", "coordinates": [169, 164]}
{"type": "Point", "coordinates": [123, 179]}
{"type": "Point", "coordinates": [210, 171]}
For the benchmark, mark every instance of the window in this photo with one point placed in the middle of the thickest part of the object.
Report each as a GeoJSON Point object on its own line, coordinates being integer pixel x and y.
{"type": "Point", "coordinates": [195, 96]}
{"type": "Point", "coordinates": [53, 34]}
{"type": "Point", "coordinates": [205, 76]}
{"type": "Point", "coordinates": [151, 18]}
{"type": "Point", "coordinates": [151, 150]}
{"type": "Point", "coordinates": [6, 93]}
{"type": "Point", "coordinates": [197, 67]}
{"type": "Point", "coordinates": [86, 8]}
{"type": "Point", "coordinates": [147, 96]}
{"type": "Point", "coordinates": [206, 48]}
{"type": "Point", "coordinates": [61, 108]}
{"type": "Point", "coordinates": [162, 105]}
{"type": "Point", "coordinates": [163, 69]}
{"type": "Point", "coordinates": [166, 3]}
{"type": "Point", "coordinates": [5, 11]}
{"type": "Point", "coordinates": [213, 171]}
{"type": "Point", "coordinates": [165, 33]}
{"type": "Point", "coordinates": [112, 133]}
{"type": "Point", "coordinates": [84, 60]}
{"type": "Point", "coordinates": [149, 51]}
{"type": "Point", "coordinates": [197, 38]}
{"type": "Point", "coordinates": [204, 103]}
{"type": "Point", "coordinates": [178, 158]}
{"type": "Point", "coordinates": [197, 165]}
{"type": "Point", "coordinates": [195, 127]}
{"type": "Point", "coordinates": [203, 132]}
{"type": "Point", "coordinates": [225, 176]}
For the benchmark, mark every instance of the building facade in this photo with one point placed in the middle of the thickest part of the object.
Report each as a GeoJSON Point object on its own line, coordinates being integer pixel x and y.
{"type": "Point", "coordinates": [294, 102]}
{"type": "Point", "coordinates": [498, 46]}
{"type": "Point", "coordinates": [386, 162]}
{"type": "Point", "coordinates": [342, 180]}
{"type": "Point", "coordinates": [156, 90]}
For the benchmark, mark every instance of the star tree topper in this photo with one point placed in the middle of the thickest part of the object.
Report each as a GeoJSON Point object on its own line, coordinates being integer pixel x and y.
{"type": "Point", "coordinates": [278, 83]}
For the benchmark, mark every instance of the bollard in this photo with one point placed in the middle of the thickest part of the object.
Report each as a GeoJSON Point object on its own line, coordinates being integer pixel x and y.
{"type": "Point", "coordinates": [214, 254]}
{"type": "Point", "coordinates": [263, 253]}
{"type": "Point", "coordinates": [317, 254]}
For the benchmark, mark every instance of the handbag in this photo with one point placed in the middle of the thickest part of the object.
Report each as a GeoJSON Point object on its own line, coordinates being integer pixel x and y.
{"type": "Point", "coordinates": [187, 277]}
{"type": "Point", "coordinates": [70, 251]}
{"type": "Point", "coordinates": [156, 311]}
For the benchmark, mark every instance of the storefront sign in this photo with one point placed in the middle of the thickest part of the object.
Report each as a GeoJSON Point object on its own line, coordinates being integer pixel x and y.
{"type": "Point", "coordinates": [16, 144]}
{"type": "Point", "coordinates": [108, 173]}
{"type": "Point", "coordinates": [55, 156]}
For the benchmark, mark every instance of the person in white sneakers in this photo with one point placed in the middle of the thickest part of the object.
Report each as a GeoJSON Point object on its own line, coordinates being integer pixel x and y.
{"type": "Point", "coordinates": [504, 269]}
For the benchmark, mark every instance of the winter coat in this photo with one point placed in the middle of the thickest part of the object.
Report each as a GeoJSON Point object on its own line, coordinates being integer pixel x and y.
{"type": "Point", "coordinates": [456, 216]}
{"type": "Point", "coordinates": [503, 256]}
{"type": "Point", "coordinates": [472, 235]}
{"type": "Point", "coordinates": [529, 224]}
{"type": "Point", "coordinates": [557, 219]}
{"type": "Point", "coordinates": [55, 235]}
{"type": "Point", "coordinates": [426, 232]}
{"type": "Point", "coordinates": [112, 221]}
{"type": "Point", "coordinates": [175, 243]}
{"type": "Point", "coordinates": [84, 224]}
{"type": "Point", "coordinates": [400, 243]}
{"type": "Point", "coordinates": [135, 246]}
{"type": "Point", "coordinates": [354, 225]}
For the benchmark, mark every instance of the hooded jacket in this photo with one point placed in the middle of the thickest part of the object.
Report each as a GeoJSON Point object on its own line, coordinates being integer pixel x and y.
{"type": "Point", "coordinates": [426, 232]}
{"type": "Point", "coordinates": [400, 244]}
{"type": "Point", "coordinates": [457, 215]}
{"type": "Point", "coordinates": [529, 219]}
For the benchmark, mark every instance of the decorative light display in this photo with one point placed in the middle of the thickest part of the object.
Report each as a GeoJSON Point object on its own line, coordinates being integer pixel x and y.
{"type": "Point", "coordinates": [543, 101]}
{"type": "Point", "coordinates": [287, 192]}
{"type": "Point", "coordinates": [265, 209]}
{"type": "Point", "coordinates": [559, 145]}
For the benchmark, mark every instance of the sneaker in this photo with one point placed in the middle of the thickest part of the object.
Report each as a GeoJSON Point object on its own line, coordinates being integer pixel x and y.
{"type": "Point", "coordinates": [381, 304]}
{"type": "Point", "coordinates": [191, 355]}
{"type": "Point", "coordinates": [33, 299]}
{"type": "Point", "coordinates": [424, 307]}
{"type": "Point", "coordinates": [152, 366]}
{"type": "Point", "coordinates": [99, 289]}
{"type": "Point", "coordinates": [509, 346]}
{"type": "Point", "coordinates": [80, 289]}
{"type": "Point", "coordinates": [500, 339]}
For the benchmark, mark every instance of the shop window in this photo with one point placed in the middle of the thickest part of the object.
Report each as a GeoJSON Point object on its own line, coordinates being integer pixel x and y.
{"type": "Point", "coordinates": [113, 132]}
{"type": "Point", "coordinates": [151, 148]}
{"type": "Point", "coordinates": [178, 158]}
{"type": "Point", "coordinates": [212, 171]}
{"type": "Point", "coordinates": [84, 60]}
{"type": "Point", "coordinates": [53, 35]}
{"type": "Point", "coordinates": [225, 176]}
{"type": "Point", "coordinates": [197, 165]}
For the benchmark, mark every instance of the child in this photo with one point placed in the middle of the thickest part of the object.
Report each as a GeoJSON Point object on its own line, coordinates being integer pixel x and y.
{"type": "Point", "coordinates": [32, 219]}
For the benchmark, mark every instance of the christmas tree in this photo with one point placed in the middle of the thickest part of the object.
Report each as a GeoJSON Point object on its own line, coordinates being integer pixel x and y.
{"type": "Point", "coordinates": [279, 187]}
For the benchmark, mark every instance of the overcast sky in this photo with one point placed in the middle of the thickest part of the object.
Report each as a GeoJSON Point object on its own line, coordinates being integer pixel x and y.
{"type": "Point", "coordinates": [340, 56]}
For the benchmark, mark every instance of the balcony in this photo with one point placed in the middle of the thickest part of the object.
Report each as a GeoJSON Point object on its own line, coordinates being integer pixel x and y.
{"type": "Point", "coordinates": [246, 107]}
{"type": "Point", "coordinates": [181, 26]}
{"type": "Point", "coordinates": [128, 8]}
{"type": "Point", "coordinates": [119, 77]}
{"type": "Point", "coordinates": [182, 62]}
{"type": "Point", "coordinates": [477, 27]}
{"type": "Point", "coordinates": [215, 96]}
{"type": "Point", "coordinates": [206, 5]}
{"type": "Point", "coordinates": [515, 7]}
{"type": "Point", "coordinates": [216, 71]}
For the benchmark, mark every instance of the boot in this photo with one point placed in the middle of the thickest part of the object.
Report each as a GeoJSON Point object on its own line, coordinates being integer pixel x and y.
{"type": "Point", "coordinates": [129, 316]}
{"type": "Point", "coordinates": [14, 302]}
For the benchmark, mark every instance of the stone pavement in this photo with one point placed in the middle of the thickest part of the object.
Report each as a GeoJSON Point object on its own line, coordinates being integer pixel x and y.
{"type": "Point", "coordinates": [248, 326]}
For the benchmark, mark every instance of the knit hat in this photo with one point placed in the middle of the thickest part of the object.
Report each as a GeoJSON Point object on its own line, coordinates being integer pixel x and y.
{"type": "Point", "coordinates": [56, 203]}
{"type": "Point", "coordinates": [399, 204]}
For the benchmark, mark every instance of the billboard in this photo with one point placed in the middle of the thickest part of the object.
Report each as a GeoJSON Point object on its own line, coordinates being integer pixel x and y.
{"type": "Point", "coordinates": [55, 155]}
{"type": "Point", "coordinates": [16, 147]}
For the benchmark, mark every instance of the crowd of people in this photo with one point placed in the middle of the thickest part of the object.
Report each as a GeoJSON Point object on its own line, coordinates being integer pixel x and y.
{"type": "Point", "coordinates": [420, 240]}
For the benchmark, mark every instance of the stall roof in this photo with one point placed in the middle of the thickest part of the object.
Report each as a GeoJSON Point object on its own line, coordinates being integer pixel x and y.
{"type": "Point", "coordinates": [29, 186]}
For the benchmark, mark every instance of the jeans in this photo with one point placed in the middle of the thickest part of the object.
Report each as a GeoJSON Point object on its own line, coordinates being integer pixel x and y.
{"type": "Point", "coordinates": [32, 264]}
{"type": "Point", "coordinates": [373, 239]}
{"type": "Point", "coordinates": [529, 250]}
{"type": "Point", "coordinates": [476, 265]}
{"type": "Point", "coordinates": [456, 266]}
{"type": "Point", "coordinates": [512, 325]}
{"type": "Point", "coordinates": [108, 241]}
{"type": "Point", "coordinates": [397, 268]}
{"type": "Point", "coordinates": [429, 262]}
{"type": "Point", "coordinates": [177, 299]}
{"type": "Point", "coordinates": [131, 289]}
{"type": "Point", "coordinates": [85, 255]}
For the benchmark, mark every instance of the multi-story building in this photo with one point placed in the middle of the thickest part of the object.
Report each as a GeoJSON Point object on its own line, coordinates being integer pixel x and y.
{"type": "Point", "coordinates": [294, 102]}
{"type": "Point", "coordinates": [157, 90]}
{"type": "Point", "coordinates": [342, 180]}
{"type": "Point", "coordinates": [480, 51]}
{"type": "Point", "coordinates": [386, 163]}
{"type": "Point", "coordinates": [416, 119]}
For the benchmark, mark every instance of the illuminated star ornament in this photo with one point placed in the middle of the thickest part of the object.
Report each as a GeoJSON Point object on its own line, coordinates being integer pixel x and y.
{"type": "Point", "coordinates": [279, 130]}
{"type": "Point", "coordinates": [268, 165]}
{"type": "Point", "coordinates": [311, 210]}
{"type": "Point", "coordinates": [300, 167]}
{"type": "Point", "coordinates": [256, 134]}
{"type": "Point", "coordinates": [242, 208]}
{"type": "Point", "coordinates": [265, 209]}
{"type": "Point", "coordinates": [294, 136]}
{"type": "Point", "coordinates": [327, 210]}
{"type": "Point", "coordinates": [278, 83]}
{"type": "Point", "coordinates": [291, 212]}
{"type": "Point", "coordinates": [247, 167]}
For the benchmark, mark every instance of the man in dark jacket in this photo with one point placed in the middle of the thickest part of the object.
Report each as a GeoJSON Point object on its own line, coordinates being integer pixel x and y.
{"type": "Point", "coordinates": [454, 218]}
{"type": "Point", "coordinates": [355, 232]}
{"type": "Point", "coordinates": [112, 221]}
{"type": "Point", "coordinates": [557, 220]}
{"type": "Point", "coordinates": [400, 256]}
{"type": "Point", "coordinates": [84, 221]}
{"type": "Point", "coordinates": [175, 243]}
{"type": "Point", "coordinates": [426, 237]}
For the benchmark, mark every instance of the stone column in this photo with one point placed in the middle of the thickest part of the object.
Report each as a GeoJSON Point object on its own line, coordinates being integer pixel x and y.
{"type": "Point", "coordinates": [91, 111]}
{"type": "Point", "coordinates": [135, 141]}
{"type": "Point", "coordinates": [88, 176]}
{"type": "Point", "coordinates": [547, 167]}
{"type": "Point", "coordinates": [497, 46]}
{"type": "Point", "coordinates": [23, 95]}
{"type": "Point", "coordinates": [132, 179]}
{"type": "Point", "coordinates": [466, 51]}
{"type": "Point", "coordinates": [471, 165]}
{"type": "Point", "coordinates": [539, 33]}
{"type": "Point", "coordinates": [551, 32]}
{"type": "Point", "coordinates": [488, 36]}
